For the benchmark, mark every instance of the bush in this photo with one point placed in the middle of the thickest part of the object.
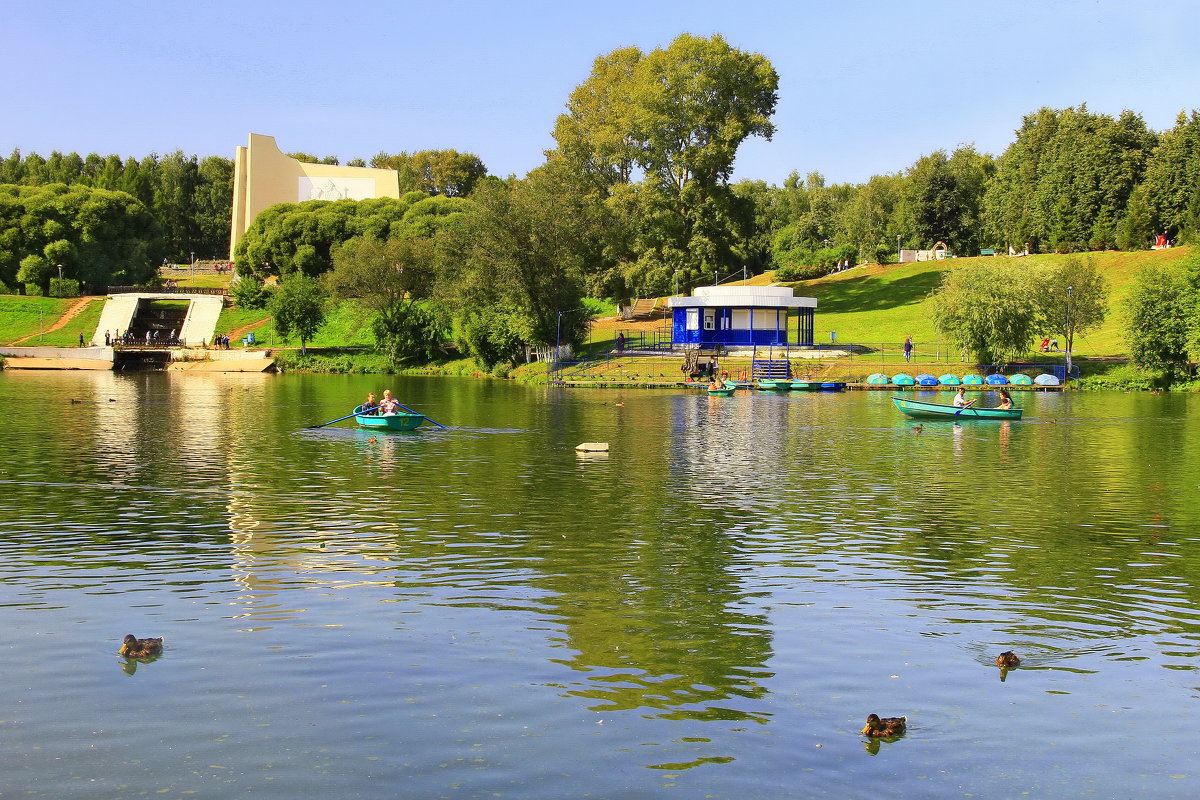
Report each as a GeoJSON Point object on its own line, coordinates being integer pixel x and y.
{"type": "Point", "coordinates": [33, 290]}
{"type": "Point", "coordinates": [1123, 377]}
{"type": "Point", "coordinates": [250, 293]}
{"type": "Point", "coordinates": [64, 287]}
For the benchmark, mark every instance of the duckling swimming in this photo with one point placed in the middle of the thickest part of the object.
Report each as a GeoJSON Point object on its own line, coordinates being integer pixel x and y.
{"type": "Point", "coordinates": [1007, 660]}
{"type": "Point", "coordinates": [133, 647]}
{"type": "Point", "coordinates": [885, 726]}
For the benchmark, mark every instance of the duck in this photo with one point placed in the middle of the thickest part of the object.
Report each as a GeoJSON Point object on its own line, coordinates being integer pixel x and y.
{"type": "Point", "coordinates": [133, 647]}
{"type": "Point", "coordinates": [1007, 660]}
{"type": "Point", "coordinates": [884, 726]}
{"type": "Point", "coordinates": [918, 428]}
{"type": "Point", "coordinates": [372, 440]}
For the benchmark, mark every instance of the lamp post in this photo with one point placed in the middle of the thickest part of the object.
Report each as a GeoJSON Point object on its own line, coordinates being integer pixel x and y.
{"type": "Point", "coordinates": [193, 265]}
{"type": "Point", "coordinates": [1067, 332]}
{"type": "Point", "coordinates": [897, 248]}
{"type": "Point", "coordinates": [59, 292]}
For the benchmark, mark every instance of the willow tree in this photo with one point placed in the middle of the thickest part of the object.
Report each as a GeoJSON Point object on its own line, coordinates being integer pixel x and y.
{"type": "Point", "coordinates": [656, 134]}
{"type": "Point", "coordinates": [987, 309]}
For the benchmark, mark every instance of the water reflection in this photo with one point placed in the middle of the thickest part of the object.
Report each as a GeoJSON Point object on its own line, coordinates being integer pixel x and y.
{"type": "Point", "coordinates": [486, 597]}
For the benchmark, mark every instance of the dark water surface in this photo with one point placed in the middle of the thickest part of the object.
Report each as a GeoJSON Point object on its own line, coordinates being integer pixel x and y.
{"type": "Point", "coordinates": [711, 610]}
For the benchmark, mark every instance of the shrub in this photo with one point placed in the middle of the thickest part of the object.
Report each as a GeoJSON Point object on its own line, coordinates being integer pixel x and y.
{"type": "Point", "coordinates": [64, 287]}
{"type": "Point", "coordinates": [250, 293]}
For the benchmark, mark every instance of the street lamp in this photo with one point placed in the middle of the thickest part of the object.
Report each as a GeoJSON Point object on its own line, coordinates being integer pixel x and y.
{"type": "Point", "coordinates": [193, 265]}
{"type": "Point", "coordinates": [897, 248]}
{"type": "Point", "coordinates": [1067, 332]}
{"type": "Point", "coordinates": [59, 292]}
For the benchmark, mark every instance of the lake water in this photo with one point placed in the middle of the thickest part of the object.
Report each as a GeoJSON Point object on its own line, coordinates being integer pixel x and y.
{"type": "Point", "coordinates": [709, 610]}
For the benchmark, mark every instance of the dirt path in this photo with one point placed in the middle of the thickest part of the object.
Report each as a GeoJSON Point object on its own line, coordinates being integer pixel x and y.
{"type": "Point", "coordinates": [72, 312]}
{"type": "Point", "coordinates": [237, 332]}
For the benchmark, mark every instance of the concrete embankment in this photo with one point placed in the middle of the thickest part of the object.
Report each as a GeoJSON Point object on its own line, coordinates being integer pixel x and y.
{"type": "Point", "coordinates": [107, 358]}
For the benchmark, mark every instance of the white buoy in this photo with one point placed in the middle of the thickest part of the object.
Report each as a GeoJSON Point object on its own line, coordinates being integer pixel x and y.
{"type": "Point", "coordinates": [592, 447]}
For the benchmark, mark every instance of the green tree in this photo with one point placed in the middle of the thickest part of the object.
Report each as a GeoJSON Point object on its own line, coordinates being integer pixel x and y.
{"type": "Point", "coordinates": [1066, 181]}
{"type": "Point", "coordinates": [1071, 297]}
{"type": "Point", "coordinates": [674, 117]}
{"type": "Point", "coordinates": [1172, 184]}
{"type": "Point", "coordinates": [1162, 316]}
{"type": "Point", "coordinates": [982, 308]}
{"type": "Point", "coordinates": [300, 237]}
{"type": "Point", "coordinates": [394, 279]}
{"type": "Point", "coordinates": [434, 172]}
{"type": "Point", "coordinates": [298, 308]}
{"type": "Point", "coordinates": [512, 265]}
{"type": "Point", "coordinates": [942, 196]}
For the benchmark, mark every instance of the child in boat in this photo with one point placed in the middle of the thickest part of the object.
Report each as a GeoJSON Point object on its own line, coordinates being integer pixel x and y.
{"type": "Point", "coordinates": [1005, 401]}
{"type": "Point", "coordinates": [369, 405]}
{"type": "Point", "coordinates": [388, 405]}
{"type": "Point", "coordinates": [960, 399]}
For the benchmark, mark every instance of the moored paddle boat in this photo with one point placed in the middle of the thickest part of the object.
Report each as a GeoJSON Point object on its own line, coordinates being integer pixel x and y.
{"type": "Point", "coordinates": [402, 421]}
{"type": "Point", "coordinates": [925, 379]}
{"type": "Point", "coordinates": [922, 408]}
{"type": "Point", "coordinates": [903, 379]}
{"type": "Point", "coordinates": [950, 379]}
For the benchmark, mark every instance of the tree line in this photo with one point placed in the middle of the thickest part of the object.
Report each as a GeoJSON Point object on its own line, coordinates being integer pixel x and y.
{"type": "Point", "coordinates": [636, 198]}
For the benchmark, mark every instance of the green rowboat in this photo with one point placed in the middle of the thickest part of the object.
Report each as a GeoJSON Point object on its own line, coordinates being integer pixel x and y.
{"type": "Point", "coordinates": [388, 422]}
{"type": "Point", "coordinates": [920, 408]}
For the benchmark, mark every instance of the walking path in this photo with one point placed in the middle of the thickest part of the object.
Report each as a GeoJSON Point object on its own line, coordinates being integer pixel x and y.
{"type": "Point", "coordinates": [238, 332]}
{"type": "Point", "coordinates": [72, 312]}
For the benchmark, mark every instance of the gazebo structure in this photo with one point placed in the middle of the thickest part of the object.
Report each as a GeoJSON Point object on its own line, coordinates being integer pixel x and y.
{"type": "Point", "coordinates": [740, 316]}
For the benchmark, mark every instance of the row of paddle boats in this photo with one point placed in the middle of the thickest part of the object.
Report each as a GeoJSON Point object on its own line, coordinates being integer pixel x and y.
{"type": "Point", "coordinates": [778, 385]}
{"type": "Point", "coordinates": [995, 379]}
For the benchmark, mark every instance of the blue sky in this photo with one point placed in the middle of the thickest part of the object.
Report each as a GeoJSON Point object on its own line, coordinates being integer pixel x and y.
{"type": "Point", "coordinates": [865, 87]}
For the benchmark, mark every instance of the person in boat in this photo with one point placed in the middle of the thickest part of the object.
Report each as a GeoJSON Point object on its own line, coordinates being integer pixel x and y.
{"type": "Point", "coordinates": [389, 404]}
{"type": "Point", "coordinates": [960, 399]}
{"type": "Point", "coordinates": [716, 384]}
{"type": "Point", "coordinates": [1005, 401]}
{"type": "Point", "coordinates": [370, 406]}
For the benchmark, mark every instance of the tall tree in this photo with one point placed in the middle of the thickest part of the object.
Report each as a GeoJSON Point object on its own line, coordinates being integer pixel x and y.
{"type": "Point", "coordinates": [434, 172]}
{"type": "Point", "coordinates": [511, 275]}
{"type": "Point", "coordinates": [674, 117]}
{"type": "Point", "coordinates": [982, 308]}
{"type": "Point", "coordinates": [393, 279]}
{"type": "Point", "coordinates": [298, 308]}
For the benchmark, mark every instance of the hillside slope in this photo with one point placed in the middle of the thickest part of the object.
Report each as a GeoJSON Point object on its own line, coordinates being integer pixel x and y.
{"type": "Point", "coordinates": [887, 303]}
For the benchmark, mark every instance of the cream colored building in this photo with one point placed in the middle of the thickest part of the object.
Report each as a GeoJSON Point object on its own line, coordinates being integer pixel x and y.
{"type": "Point", "coordinates": [263, 176]}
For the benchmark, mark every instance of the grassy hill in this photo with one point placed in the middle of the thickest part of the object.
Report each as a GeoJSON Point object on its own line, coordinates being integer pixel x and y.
{"type": "Point", "coordinates": [887, 303]}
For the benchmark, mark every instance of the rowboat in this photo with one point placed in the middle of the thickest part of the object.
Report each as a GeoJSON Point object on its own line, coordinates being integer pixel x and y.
{"type": "Point", "coordinates": [770, 384]}
{"type": "Point", "coordinates": [920, 408]}
{"type": "Point", "coordinates": [402, 421]}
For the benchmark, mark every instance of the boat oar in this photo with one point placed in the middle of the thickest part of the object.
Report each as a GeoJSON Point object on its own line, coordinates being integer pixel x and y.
{"type": "Point", "coordinates": [419, 414]}
{"type": "Point", "coordinates": [339, 419]}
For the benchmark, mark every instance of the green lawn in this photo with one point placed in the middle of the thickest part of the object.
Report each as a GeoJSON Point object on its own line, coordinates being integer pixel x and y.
{"type": "Point", "coordinates": [21, 316]}
{"type": "Point", "coordinates": [346, 325]}
{"type": "Point", "coordinates": [871, 305]}
{"type": "Point", "coordinates": [84, 322]}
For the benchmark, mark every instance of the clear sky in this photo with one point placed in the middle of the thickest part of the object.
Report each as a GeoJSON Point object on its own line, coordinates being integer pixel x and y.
{"type": "Point", "coordinates": [866, 87]}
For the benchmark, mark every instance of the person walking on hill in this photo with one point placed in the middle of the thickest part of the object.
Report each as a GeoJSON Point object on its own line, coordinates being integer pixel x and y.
{"type": "Point", "coordinates": [908, 348]}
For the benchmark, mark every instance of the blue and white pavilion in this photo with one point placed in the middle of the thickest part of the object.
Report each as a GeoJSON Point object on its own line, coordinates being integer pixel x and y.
{"type": "Point", "coordinates": [740, 316]}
